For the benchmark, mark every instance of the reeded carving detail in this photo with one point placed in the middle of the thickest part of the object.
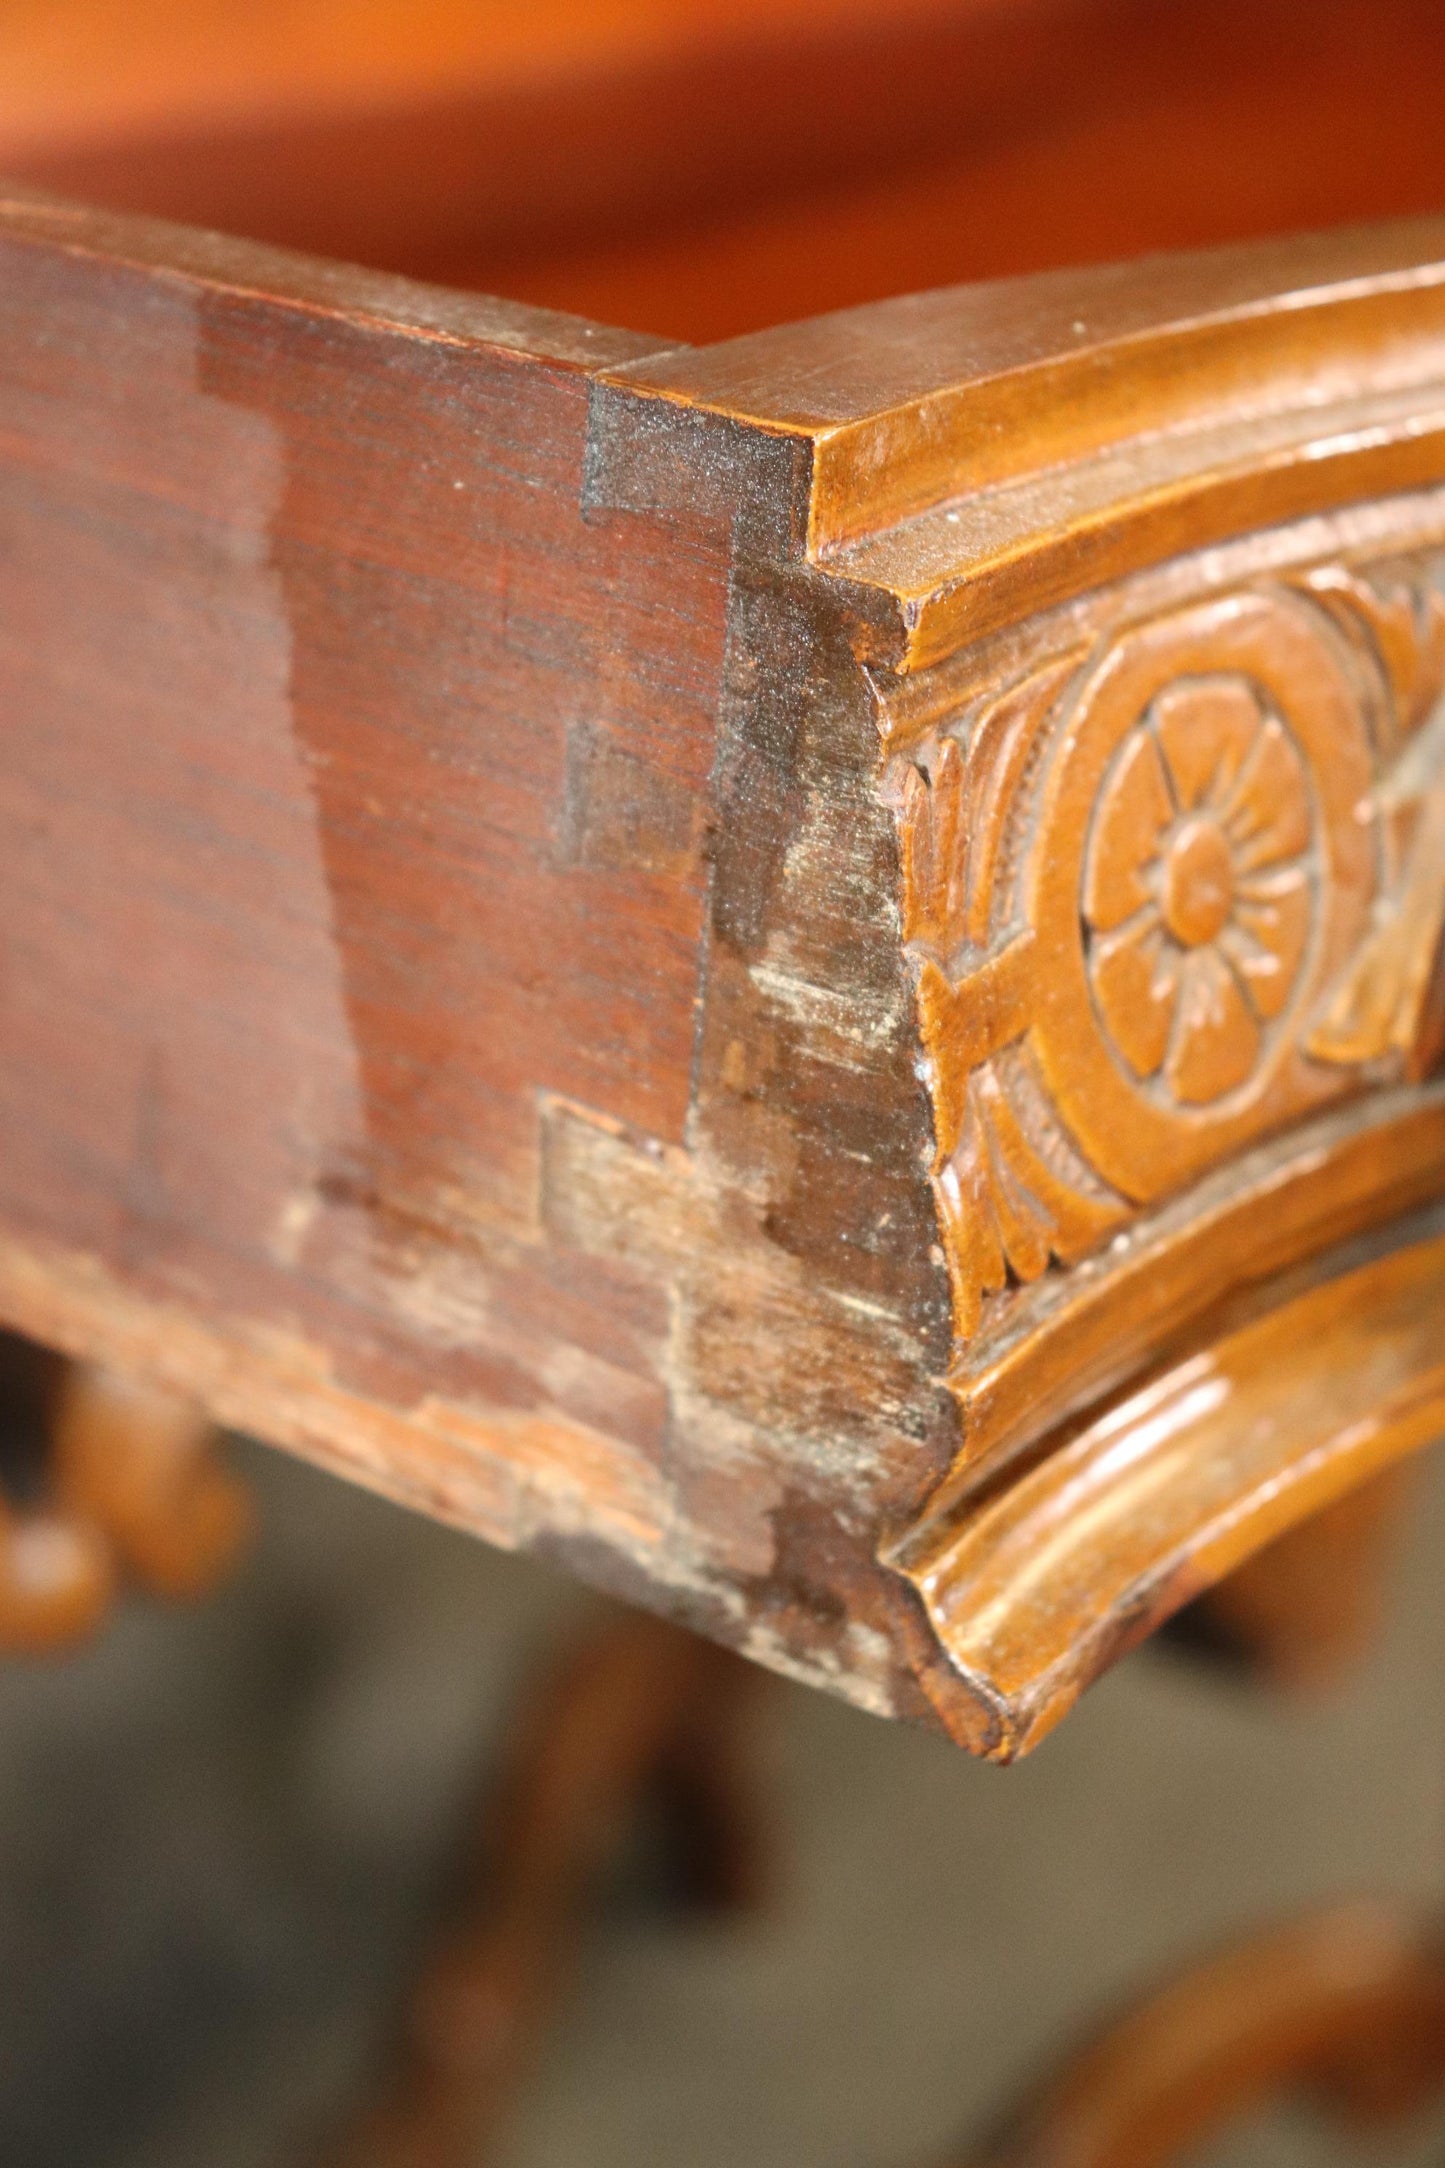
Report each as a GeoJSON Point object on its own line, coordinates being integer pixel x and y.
{"type": "Point", "coordinates": [1170, 895]}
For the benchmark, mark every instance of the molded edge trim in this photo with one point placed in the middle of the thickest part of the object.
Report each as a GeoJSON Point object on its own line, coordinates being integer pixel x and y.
{"type": "Point", "coordinates": [976, 455]}
{"type": "Point", "coordinates": [913, 401]}
{"type": "Point", "coordinates": [1040, 1587]}
{"type": "Point", "coordinates": [284, 277]}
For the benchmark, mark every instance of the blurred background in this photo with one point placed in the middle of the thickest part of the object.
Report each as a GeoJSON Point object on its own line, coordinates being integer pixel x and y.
{"type": "Point", "coordinates": [699, 168]}
{"type": "Point", "coordinates": [226, 1831]}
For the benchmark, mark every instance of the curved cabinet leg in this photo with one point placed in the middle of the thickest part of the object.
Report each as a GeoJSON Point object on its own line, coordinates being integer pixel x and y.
{"type": "Point", "coordinates": [1347, 2005]}
{"type": "Point", "coordinates": [131, 1486]}
{"type": "Point", "coordinates": [641, 1710]}
{"type": "Point", "coordinates": [140, 1463]}
{"type": "Point", "coordinates": [57, 1581]}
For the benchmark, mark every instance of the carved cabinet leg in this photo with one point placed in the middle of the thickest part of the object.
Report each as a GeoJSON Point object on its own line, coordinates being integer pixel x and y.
{"type": "Point", "coordinates": [1347, 2006]}
{"type": "Point", "coordinates": [57, 1579]}
{"type": "Point", "coordinates": [131, 1485]}
{"type": "Point", "coordinates": [641, 1710]}
{"type": "Point", "coordinates": [140, 1463]}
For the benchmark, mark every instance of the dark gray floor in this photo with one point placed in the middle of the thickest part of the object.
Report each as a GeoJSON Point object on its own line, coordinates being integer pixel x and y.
{"type": "Point", "coordinates": [218, 1832]}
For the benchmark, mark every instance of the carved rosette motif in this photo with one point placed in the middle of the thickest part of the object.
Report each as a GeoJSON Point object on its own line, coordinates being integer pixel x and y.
{"type": "Point", "coordinates": [1171, 893]}
{"type": "Point", "coordinates": [1200, 888]}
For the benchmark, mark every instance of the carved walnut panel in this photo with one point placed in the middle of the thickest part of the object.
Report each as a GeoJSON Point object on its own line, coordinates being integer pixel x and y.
{"type": "Point", "coordinates": [1169, 892]}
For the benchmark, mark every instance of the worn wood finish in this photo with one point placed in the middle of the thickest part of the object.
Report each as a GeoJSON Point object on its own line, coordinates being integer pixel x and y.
{"type": "Point", "coordinates": [1172, 886]}
{"type": "Point", "coordinates": [711, 961]}
{"type": "Point", "coordinates": [1345, 2007]}
{"type": "Point", "coordinates": [402, 1133]}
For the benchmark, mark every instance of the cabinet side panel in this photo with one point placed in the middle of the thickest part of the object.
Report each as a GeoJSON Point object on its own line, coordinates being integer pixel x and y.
{"type": "Point", "coordinates": [351, 801]}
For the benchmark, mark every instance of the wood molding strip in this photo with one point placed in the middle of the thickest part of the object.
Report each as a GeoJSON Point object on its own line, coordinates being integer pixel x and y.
{"type": "Point", "coordinates": [1037, 1590]}
{"type": "Point", "coordinates": [911, 403]}
{"type": "Point", "coordinates": [923, 589]}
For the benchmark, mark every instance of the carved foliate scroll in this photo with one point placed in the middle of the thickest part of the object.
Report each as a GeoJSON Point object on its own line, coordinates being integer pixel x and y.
{"type": "Point", "coordinates": [1387, 1004]}
{"type": "Point", "coordinates": [1170, 893]}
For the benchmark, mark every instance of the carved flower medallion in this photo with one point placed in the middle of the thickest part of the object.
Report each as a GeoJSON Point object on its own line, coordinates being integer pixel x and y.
{"type": "Point", "coordinates": [1170, 896]}
{"type": "Point", "coordinates": [1199, 865]}
{"type": "Point", "coordinates": [1198, 888]}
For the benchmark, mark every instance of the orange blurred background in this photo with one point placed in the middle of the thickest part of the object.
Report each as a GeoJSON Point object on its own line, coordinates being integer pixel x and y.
{"type": "Point", "coordinates": [705, 168]}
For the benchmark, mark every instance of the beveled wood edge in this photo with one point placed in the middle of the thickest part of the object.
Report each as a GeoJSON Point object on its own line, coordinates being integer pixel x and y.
{"type": "Point", "coordinates": [919, 592]}
{"type": "Point", "coordinates": [1040, 1587]}
{"type": "Point", "coordinates": [1005, 397]}
{"type": "Point", "coordinates": [916, 378]}
{"type": "Point", "coordinates": [976, 455]}
{"type": "Point", "coordinates": [281, 276]}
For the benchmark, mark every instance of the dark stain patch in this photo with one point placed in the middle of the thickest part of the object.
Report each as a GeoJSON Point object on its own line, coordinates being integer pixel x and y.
{"type": "Point", "coordinates": [621, 814]}
{"type": "Point", "coordinates": [758, 791]}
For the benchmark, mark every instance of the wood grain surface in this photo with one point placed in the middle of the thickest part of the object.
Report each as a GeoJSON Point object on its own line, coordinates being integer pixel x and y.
{"type": "Point", "coordinates": [364, 825]}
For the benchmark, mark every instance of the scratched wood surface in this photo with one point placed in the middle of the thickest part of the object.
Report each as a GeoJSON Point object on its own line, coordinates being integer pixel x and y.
{"type": "Point", "coordinates": [732, 963]}
{"type": "Point", "coordinates": [363, 795]}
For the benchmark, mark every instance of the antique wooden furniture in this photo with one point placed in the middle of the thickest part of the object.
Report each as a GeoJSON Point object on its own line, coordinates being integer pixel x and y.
{"type": "Point", "coordinates": [118, 1479]}
{"type": "Point", "coordinates": [1345, 2007]}
{"type": "Point", "coordinates": [637, 1715]}
{"type": "Point", "coordinates": [804, 972]}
